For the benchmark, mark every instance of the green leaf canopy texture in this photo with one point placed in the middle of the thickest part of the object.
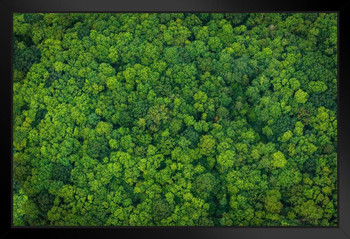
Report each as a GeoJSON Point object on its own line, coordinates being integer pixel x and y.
{"type": "Point", "coordinates": [175, 119]}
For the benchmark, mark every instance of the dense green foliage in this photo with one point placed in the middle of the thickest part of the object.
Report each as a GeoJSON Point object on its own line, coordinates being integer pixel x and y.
{"type": "Point", "coordinates": [175, 119]}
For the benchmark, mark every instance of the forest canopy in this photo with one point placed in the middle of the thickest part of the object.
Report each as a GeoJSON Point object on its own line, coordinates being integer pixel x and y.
{"type": "Point", "coordinates": [175, 119]}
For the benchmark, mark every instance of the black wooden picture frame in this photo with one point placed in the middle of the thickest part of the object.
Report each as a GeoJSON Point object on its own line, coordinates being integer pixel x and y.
{"type": "Point", "coordinates": [8, 7]}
